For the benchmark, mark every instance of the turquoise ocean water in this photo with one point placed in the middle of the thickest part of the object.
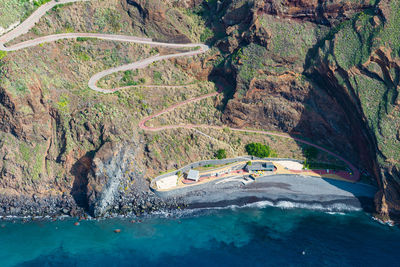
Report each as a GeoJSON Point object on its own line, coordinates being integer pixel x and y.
{"type": "Point", "coordinates": [251, 236]}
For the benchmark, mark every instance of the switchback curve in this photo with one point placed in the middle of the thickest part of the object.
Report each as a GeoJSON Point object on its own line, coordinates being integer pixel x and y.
{"type": "Point", "coordinates": [25, 26]}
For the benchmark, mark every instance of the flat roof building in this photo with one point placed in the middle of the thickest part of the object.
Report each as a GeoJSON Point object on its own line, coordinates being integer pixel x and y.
{"type": "Point", "coordinates": [193, 175]}
{"type": "Point", "coordinates": [260, 166]}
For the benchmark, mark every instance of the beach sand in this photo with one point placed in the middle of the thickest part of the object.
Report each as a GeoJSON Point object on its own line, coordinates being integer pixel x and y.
{"type": "Point", "coordinates": [297, 190]}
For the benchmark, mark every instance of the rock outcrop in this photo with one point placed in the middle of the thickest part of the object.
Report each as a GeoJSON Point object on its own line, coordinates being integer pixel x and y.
{"type": "Point", "coordinates": [110, 169]}
{"type": "Point", "coordinates": [157, 18]}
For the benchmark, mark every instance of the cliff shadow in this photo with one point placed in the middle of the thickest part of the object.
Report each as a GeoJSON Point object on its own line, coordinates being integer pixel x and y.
{"type": "Point", "coordinates": [332, 118]}
{"type": "Point", "coordinates": [80, 171]}
{"type": "Point", "coordinates": [363, 192]}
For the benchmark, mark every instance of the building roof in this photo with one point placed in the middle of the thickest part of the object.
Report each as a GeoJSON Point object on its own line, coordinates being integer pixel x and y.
{"type": "Point", "coordinates": [260, 166]}
{"type": "Point", "coordinates": [193, 175]}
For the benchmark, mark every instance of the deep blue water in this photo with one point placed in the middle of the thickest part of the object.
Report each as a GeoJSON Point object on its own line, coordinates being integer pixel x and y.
{"type": "Point", "coordinates": [240, 237]}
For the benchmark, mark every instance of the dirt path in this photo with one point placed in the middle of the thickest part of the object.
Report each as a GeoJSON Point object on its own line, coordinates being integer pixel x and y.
{"type": "Point", "coordinates": [30, 22]}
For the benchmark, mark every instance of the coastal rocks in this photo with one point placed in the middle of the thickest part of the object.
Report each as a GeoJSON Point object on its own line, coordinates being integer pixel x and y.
{"type": "Point", "coordinates": [31, 206]}
{"type": "Point", "coordinates": [116, 184]}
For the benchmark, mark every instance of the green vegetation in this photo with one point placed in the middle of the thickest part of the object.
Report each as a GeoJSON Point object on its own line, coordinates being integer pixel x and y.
{"type": "Point", "coordinates": [353, 43]}
{"type": "Point", "coordinates": [311, 165]}
{"type": "Point", "coordinates": [353, 47]}
{"type": "Point", "coordinates": [195, 27]}
{"type": "Point", "coordinates": [83, 39]}
{"type": "Point", "coordinates": [390, 34]}
{"type": "Point", "coordinates": [207, 34]}
{"type": "Point", "coordinates": [157, 77]}
{"type": "Point", "coordinates": [63, 103]}
{"type": "Point", "coordinates": [20, 87]}
{"type": "Point", "coordinates": [290, 38]}
{"type": "Point", "coordinates": [34, 159]}
{"type": "Point", "coordinates": [310, 152]}
{"type": "Point", "coordinates": [249, 60]}
{"type": "Point", "coordinates": [3, 54]}
{"type": "Point", "coordinates": [25, 151]}
{"type": "Point", "coordinates": [128, 79]}
{"type": "Point", "coordinates": [258, 150]}
{"type": "Point", "coordinates": [220, 154]}
{"type": "Point", "coordinates": [38, 3]}
{"type": "Point", "coordinates": [12, 11]}
{"type": "Point", "coordinates": [209, 165]}
{"type": "Point", "coordinates": [108, 17]}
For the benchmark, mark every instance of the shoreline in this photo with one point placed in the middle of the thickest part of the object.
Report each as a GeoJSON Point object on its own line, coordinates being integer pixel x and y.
{"type": "Point", "coordinates": [301, 191]}
{"type": "Point", "coordinates": [284, 191]}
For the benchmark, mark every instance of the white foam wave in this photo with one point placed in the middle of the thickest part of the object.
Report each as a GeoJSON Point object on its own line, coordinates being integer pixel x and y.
{"type": "Point", "coordinates": [284, 204]}
{"type": "Point", "coordinates": [334, 209]}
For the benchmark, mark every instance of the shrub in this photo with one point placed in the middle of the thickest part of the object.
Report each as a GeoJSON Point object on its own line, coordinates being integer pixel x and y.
{"type": "Point", "coordinates": [207, 34]}
{"type": "Point", "coordinates": [82, 39]}
{"type": "Point", "coordinates": [258, 150]}
{"type": "Point", "coordinates": [38, 3]}
{"type": "Point", "coordinates": [157, 77]}
{"type": "Point", "coordinates": [221, 154]}
{"type": "Point", "coordinates": [310, 152]}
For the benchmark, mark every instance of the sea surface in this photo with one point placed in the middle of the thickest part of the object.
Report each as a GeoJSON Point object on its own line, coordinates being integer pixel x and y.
{"type": "Point", "coordinates": [251, 236]}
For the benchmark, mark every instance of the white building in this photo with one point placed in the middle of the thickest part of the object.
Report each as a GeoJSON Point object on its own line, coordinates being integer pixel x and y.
{"type": "Point", "coordinates": [167, 182]}
{"type": "Point", "coordinates": [193, 175]}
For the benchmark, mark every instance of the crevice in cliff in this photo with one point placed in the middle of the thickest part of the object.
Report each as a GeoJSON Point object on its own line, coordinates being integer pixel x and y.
{"type": "Point", "coordinates": [80, 171]}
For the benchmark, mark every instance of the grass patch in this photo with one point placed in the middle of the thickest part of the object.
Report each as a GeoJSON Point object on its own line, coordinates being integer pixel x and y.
{"type": "Point", "coordinates": [312, 165]}
{"type": "Point", "coordinates": [3, 54]}
{"type": "Point", "coordinates": [12, 11]}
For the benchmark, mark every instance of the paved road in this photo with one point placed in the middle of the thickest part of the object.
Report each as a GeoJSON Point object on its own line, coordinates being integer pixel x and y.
{"type": "Point", "coordinates": [28, 24]}
{"type": "Point", "coordinates": [25, 26]}
{"type": "Point", "coordinates": [143, 63]}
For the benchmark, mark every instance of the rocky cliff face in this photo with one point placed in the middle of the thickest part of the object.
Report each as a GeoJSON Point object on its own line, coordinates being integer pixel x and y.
{"type": "Point", "coordinates": [327, 70]}
{"type": "Point", "coordinates": [360, 65]}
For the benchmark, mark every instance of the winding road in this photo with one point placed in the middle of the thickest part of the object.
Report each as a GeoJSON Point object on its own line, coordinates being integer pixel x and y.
{"type": "Point", "coordinates": [30, 22]}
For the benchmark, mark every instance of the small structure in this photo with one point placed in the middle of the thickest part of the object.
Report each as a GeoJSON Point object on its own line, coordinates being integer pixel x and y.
{"type": "Point", "coordinates": [193, 175]}
{"type": "Point", "coordinates": [260, 166]}
{"type": "Point", "coordinates": [167, 182]}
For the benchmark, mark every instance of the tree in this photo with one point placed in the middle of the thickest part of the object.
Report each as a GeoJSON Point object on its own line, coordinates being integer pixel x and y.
{"type": "Point", "coordinates": [258, 150]}
{"type": "Point", "coordinates": [221, 154]}
{"type": "Point", "coordinates": [310, 152]}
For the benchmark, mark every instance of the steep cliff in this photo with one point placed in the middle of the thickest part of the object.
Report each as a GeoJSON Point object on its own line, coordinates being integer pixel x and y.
{"type": "Point", "coordinates": [327, 70]}
{"type": "Point", "coordinates": [359, 64]}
